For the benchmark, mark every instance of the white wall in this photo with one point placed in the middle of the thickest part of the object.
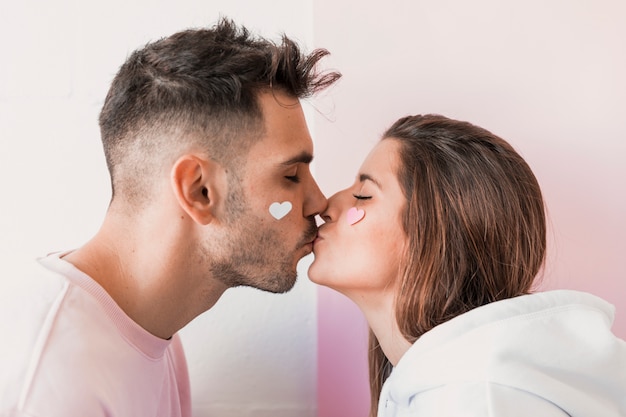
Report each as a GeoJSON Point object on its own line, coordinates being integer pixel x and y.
{"type": "Point", "coordinates": [254, 353]}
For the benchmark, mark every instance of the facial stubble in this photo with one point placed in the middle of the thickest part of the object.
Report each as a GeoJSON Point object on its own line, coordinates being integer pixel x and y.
{"type": "Point", "coordinates": [251, 253]}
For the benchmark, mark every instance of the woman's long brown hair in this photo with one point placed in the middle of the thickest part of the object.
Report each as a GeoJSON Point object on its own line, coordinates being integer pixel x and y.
{"type": "Point", "coordinates": [475, 221]}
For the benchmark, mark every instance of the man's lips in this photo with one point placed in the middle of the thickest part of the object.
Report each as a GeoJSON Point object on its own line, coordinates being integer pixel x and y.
{"type": "Point", "coordinates": [310, 235]}
{"type": "Point", "coordinates": [317, 239]}
{"type": "Point", "coordinates": [309, 240]}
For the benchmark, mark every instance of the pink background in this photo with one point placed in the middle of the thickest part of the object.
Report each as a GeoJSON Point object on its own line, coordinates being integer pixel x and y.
{"type": "Point", "coordinates": [546, 76]}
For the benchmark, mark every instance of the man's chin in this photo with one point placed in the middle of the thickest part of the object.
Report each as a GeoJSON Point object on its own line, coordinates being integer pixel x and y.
{"type": "Point", "coordinates": [281, 279]}
{"type": "Point", "coordinates": [285, 284]}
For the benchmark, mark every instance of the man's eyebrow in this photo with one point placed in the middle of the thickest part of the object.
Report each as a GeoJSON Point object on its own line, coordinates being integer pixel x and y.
{"type": "Point", "coordinates": [302, 158]}
{"type": "Point", "coordinates": [367, 177]}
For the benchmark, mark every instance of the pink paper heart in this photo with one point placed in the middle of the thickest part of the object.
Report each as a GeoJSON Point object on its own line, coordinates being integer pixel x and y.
{"type": "Point", "coordinates": [355, 215]}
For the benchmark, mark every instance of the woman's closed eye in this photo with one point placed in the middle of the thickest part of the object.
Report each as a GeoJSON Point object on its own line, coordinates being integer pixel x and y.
{"type": "Point", "coordinates": [361, 197]}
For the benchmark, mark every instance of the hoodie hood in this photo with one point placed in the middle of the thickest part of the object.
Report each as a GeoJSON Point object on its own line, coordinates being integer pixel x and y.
{"type": "Point", "coordinates": [555, 345]}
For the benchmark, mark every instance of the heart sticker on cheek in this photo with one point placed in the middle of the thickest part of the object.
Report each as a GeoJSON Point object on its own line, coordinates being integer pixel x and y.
{"type": "Point", "coordinates": [355, 215]}
{"type": "Point", "coordinates": [280, 210]}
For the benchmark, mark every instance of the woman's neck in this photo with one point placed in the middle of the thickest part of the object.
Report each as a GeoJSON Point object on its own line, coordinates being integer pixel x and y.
{"type": "Point", "coordinates": [381, 317]}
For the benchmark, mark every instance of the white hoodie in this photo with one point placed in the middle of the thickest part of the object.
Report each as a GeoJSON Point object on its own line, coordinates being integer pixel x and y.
{"type": "Point", "coordinates": [546, 354]}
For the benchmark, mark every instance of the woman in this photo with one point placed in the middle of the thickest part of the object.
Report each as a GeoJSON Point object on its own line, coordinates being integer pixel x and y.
{"type": "Point", "coordinates": [439, 241]}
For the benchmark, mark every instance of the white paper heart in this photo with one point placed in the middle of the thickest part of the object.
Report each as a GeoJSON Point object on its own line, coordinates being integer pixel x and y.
{"type": "Point", "coordinates": [280, 210]}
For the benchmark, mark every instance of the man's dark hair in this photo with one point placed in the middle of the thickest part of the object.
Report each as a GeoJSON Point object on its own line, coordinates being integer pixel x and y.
{"type": "Point", "coordinates": [201, 84]}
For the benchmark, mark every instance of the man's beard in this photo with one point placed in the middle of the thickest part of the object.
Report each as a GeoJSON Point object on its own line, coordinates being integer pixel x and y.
{"type": "Point", "coordinates": [250, 261]}
{"type": "Point", "coordinates": [249, 256]}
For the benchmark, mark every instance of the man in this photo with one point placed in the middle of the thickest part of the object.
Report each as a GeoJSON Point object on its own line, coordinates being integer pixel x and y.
{"type": "Point", "coordinates": [208, 152]}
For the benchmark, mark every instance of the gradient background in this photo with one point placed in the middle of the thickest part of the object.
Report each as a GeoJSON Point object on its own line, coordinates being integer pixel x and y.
{"type": "Point", "coordinates": [548, 76]}
{"type": "Point", "coordinates": [545, 75]}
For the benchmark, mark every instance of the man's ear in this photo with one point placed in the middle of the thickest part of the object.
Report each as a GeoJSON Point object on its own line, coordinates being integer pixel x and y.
{"type": "Point", "coordinates": [198, 185]}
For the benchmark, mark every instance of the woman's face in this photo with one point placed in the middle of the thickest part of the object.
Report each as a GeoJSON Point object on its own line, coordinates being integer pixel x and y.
{"type": "Point", "coordinates": [359, 256]}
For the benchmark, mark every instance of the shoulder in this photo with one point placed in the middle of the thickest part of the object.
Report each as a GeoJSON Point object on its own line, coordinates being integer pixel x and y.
{"type": "Point", "coordinates": [27, 303]}
{"type": "Point", "coordinates": [47, 325]}
{"type": "Point", "coordinates": [528, 346]}
{"type": "Point", "coordinates": [471, 399]}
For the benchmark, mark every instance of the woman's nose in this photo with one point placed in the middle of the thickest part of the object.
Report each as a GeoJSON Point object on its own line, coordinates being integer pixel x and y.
{"type": "Point", "coordinates": [333, 209]}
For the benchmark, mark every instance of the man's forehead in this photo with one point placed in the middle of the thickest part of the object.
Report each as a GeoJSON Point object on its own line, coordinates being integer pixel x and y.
{"type": "Point", "coordinates": [282, 150]}
{"type": "Point", "coordinates": [286, 139]}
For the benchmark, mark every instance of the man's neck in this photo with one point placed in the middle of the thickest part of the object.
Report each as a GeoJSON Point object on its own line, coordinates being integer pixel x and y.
{"type": "Point", "coordinates": [150, 281]}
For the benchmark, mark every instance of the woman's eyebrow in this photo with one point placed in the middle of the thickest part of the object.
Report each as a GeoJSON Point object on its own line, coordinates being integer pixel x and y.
{"type": "Point", "coordinates": [367, 177]}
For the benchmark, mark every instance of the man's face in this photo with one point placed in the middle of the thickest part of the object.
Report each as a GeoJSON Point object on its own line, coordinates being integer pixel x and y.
{"type": "Point", "coordinates": [275, 202]}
